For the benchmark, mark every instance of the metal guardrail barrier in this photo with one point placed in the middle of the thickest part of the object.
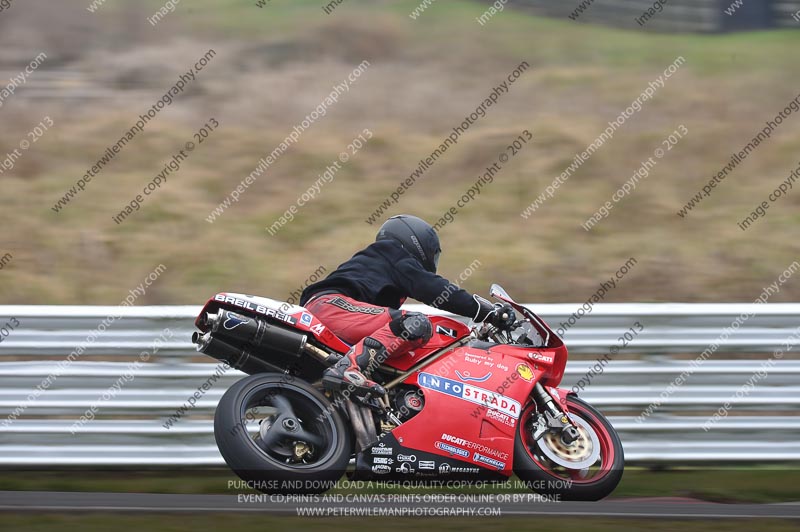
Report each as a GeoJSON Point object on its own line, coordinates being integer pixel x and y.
{"type": "Point", "coordinates": [763, 424]}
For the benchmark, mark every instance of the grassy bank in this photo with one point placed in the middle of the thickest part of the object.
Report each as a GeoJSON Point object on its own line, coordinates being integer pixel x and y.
{"type": "Point", "coordinates": [276, 64]}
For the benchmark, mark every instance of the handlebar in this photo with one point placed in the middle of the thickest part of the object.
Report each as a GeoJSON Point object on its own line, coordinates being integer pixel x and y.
{"type": "Point", "coordinates": [487, 330]}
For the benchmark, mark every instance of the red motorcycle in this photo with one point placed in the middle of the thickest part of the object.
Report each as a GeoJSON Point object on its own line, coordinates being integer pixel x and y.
{"type": "Point", "coordinates": [475, 403]}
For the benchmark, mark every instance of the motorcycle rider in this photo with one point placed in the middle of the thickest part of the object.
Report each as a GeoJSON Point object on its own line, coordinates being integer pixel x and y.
{"type": "Point", "coordinates": [360, 301]}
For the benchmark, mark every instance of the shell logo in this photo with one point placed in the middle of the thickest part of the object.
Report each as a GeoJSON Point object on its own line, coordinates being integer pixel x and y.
{"type": "Point", "coordinates": [525, 371]}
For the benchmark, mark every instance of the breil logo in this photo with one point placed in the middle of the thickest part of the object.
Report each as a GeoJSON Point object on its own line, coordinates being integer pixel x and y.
{"type": "Point", "coordinates": [254, 307]}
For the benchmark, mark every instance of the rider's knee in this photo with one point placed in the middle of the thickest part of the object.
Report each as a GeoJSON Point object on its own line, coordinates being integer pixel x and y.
{"type": "Point", "coordinates": [413, 326]}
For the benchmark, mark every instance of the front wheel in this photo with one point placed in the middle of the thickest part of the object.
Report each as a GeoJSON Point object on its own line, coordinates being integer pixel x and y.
{"type": "Point", "coordinates": [282, 437]}
{"type": "Point", "coordinates": [586, 470]}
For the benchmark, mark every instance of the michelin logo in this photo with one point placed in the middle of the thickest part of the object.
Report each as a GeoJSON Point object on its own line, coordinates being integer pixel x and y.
{"type": "Point", "coordinates": [473, 394]}
{"type": "Point", "coordinates": [478, 457]}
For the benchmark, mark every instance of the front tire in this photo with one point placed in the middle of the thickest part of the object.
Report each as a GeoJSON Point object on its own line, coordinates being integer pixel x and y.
{"type": "Point", "coordinates": [587, 470]}
{"type": "Point", "coordinates": [282, 437]}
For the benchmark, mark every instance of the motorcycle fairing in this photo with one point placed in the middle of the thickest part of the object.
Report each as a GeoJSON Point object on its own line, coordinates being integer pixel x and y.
{"type": "Point", "coordinates": [554, 347]}
{"type": "Point", "coordinates": [445, 332]}
{"type": "Point", "coordinates": [473, 400]}
{"type": "Point", "coordinates": [388, 459]}
{"type": "Point", "coordinates": [292, 315]}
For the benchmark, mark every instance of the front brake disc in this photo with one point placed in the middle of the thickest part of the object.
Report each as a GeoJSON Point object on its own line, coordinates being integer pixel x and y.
{"type": "Point", "coordinates": [580, 454]}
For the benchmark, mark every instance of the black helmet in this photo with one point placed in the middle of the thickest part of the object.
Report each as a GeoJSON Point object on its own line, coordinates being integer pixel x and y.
{"type": "Point", "coordinates": [416, 236]}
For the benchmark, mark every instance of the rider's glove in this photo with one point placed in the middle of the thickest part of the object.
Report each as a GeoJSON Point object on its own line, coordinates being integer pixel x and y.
{"type": "Point", "coordinates": [503, 316]}
{"type": "Point", "coordinates": [485, 308]}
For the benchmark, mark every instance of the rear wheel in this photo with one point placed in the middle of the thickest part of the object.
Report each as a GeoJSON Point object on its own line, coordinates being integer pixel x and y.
{"type": "Point", "coordinates": [588, 469]}
{"type": "Point", "coordinates": [282, 437]}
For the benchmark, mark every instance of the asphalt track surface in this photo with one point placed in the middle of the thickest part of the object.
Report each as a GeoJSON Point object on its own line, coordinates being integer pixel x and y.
{"type": "Point", "coordinates": [673, 508]}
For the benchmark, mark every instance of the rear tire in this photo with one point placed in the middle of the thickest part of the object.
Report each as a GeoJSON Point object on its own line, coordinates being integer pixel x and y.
{"type": "Point", "coordinates": [304, 447]}
{"type": "Point", "coordinates": [588, 470]}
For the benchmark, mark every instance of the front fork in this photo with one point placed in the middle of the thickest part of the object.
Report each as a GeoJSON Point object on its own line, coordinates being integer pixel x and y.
{"type": "Point", "coordinates": [554, 418]}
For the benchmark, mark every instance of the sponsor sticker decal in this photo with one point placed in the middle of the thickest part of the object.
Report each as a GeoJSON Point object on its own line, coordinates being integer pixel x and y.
{"type": "Point", "coordinates": [446, 469]}
{"type": "Point", "coordinates": [452, 449]}
{"type": "Point", "coordinates": [260, 309]}
{"type": "Point", "coordinates": [468, 392]}
{"type": "Point", "coordinates": [478, 457]}
{"type": "Point", "coordinates": [525, 371]}
{"type": "Point", "coordinates": [406, 468]}
{"type": "Point", "coordinates": [381, 449]}
{"type": "Point", "coordinates": [473, 445]}
{"type": "Point", "coordinates": [305, 318]}
{"type": "Point", "coordinates": [232, 321]}
{"type": "Point", "coordinates": [381, 469]}
{"type": "Point", "coordinates": [478, 359]}
{"type": "Point", "coordinates": [501, 417]}
{"type": "Point", "coordinates": [427, 464]}
{"type": "Point", "coordinates": [467, 377]}
{"type": "Point", "coordinates": [406, 458]}
{"type": "Point", "coordinates": [539, 356]}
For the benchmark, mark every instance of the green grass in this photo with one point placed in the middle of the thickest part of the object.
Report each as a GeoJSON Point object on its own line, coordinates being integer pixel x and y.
{"type": "Point", "coordinates": [276, 64]}
{"type": "Point", "coordinates": [509, 32]}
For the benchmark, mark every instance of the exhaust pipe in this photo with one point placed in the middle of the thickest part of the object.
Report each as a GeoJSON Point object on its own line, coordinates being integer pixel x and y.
{"type": "Point", "coordinates": [235, 357]}
{"type": "Point", "coordinates": [255, 332]}
{"type": "Point", "coordinates": [233, 337]}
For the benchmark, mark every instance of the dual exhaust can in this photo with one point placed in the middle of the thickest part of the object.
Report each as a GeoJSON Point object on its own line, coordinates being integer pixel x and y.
{"type": "Point", "coordinates": [236, 357]}
{"type": "Point", "coordinates": [255, 333]}
{"type": "Point", "coordinates": [233, 338]}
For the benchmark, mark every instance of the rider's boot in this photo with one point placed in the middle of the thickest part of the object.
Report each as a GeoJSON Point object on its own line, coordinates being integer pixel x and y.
{"type": "Point", "coordinates": [355, 368]}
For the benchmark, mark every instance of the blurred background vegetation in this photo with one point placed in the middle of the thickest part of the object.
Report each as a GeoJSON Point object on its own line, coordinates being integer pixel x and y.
{"type": "Point", "coordinates": [275, 64]}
